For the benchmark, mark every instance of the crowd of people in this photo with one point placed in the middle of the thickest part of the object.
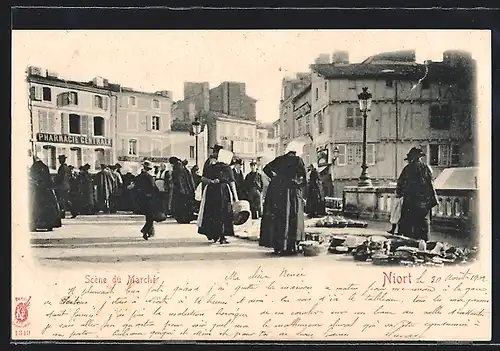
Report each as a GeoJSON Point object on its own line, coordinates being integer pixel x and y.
{"type": "Point", "coordinates": [170, 190]}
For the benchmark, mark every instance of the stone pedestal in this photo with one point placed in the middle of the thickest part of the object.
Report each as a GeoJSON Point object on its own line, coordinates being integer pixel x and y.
{"type": "Point", "coordinates": [360, 202]}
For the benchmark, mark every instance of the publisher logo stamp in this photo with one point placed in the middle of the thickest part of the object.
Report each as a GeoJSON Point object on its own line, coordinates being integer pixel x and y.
{"type": "Point", "coordinates": [21, 312]}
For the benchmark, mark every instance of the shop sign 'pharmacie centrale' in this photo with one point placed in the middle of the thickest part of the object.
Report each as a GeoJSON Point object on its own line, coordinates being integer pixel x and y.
{"type": "Point", "coordinates": [73, 139]}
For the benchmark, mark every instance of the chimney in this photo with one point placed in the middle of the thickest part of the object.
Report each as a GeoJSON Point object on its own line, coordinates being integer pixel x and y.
{"type": "Point", "coordinates": [340, 57]}
{"type": "Point", "coordinates": [322, 59]}
{"type": "Point", "coordinates": [98, 82]}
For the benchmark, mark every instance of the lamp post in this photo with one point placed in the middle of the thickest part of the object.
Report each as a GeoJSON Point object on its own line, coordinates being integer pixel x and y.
{"type": "Point", "coordinates": [196, 129]}
{"type": "Point", "coordinates": [334, 159]}
{"type": "Point", "coordinates": [365, 101]}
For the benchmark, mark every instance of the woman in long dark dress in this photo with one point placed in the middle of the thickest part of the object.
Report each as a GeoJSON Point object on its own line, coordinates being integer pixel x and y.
{"type": "Point", "coordinates": [45, 211]}
{"type": "Point", "coordinates": [215, 218]}
{"type": "Point", "coordinates": [282, 226]}
{"type": "Point", "coordinates": [86, 191]}
{"type": "Point", "coordinates": [315, 200]}
{"type": "Point", "coordinates": [182, 192]}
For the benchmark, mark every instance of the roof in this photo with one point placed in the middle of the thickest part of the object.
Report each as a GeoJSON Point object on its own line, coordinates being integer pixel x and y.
{"type": "Point", "coordinates": [459, 178]}
{"type": "Point", "coordinates": [412, 71]}
{"type": "Point", "coordinates": [302, 93]}
{"type": "Point", "coordinates": [90, 85]}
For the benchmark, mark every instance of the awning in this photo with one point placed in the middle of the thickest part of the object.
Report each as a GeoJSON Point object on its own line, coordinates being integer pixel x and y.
{"type": "Point", "coordinates": [463, 178]}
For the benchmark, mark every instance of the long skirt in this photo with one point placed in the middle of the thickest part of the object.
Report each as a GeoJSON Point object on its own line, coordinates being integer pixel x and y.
{"type": "Point", "coordinates": [414, 222]}
{"type": "Point", "coordinates": [182, 207]}
{"type": "Point", "coordinates": [45, 210]}
{"type": "Point", "coordinates": [315, 204]}
{"type": "Point", "coordinates": [215, 218]}
{"type": "Point", "coordinates": [282, 223]}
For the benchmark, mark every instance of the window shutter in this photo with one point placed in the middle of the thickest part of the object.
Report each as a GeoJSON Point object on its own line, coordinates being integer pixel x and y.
{"type": "Point", "coordinates": [341, 158]}
{"type": "Point", "coordinates": [42, 121]}
{"type": "Point", "coordinates": [84, 124]}
{"type": "Point", "coordinates": [370, 154]}
{"type": "Point", "coordinates": [90, 122]}
{"type": "Point", "coordinates": [148, 123]}
{"type": "Point", "coordinates": [105, 102]}
{"type": "Point", "coordinates": [38, 93]}
{"type": "Point", "coordinates": [59, 100]}
{"type": "Point", "coordinates": [52, 122]}
{"type": "Point", "coordinates": [32, 93]}
{"type": "Point", "coordinates": [64, 123]}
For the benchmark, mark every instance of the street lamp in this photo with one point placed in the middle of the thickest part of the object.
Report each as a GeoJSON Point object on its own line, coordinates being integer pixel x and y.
{"type": "Point", "coordinates": [365, 102]}
{"type": "Point", "coordinates": [196, 130]}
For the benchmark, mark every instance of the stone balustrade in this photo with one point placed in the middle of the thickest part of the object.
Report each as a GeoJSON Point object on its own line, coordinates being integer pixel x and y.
{"type": "Point", "coordinates": [456, 210]}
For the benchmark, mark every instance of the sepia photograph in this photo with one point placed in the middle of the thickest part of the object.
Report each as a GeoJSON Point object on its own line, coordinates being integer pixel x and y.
{"type": "Point", "coordinates": [251, 185]}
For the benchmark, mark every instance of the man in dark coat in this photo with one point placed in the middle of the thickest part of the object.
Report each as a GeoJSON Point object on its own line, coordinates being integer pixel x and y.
{"type": "Point", "coordinates": [253, 185]}
{"type": "Point", "coordinates": [86, 191]}
{"type": "Point", "coordinates": [419, 197]}
{"type": "Point", "coordinates": [239, 178]}
{"type": "Point", "coordinates": [105, 187]}
{"type": "Point", "coordinates": [63, 185]}
{"type": "Point", "coordinates": [148, 195]}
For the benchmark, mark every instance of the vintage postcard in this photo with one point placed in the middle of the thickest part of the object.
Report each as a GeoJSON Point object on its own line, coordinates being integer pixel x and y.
{"type": "Point", "coordinates": [251, 185]}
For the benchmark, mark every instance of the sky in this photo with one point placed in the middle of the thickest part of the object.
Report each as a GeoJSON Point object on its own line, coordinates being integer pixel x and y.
{"type": "Point", "coordinates": [163, 60]}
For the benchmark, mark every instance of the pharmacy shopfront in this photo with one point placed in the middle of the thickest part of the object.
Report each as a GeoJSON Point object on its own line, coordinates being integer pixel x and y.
{"type": "Point", "coordinates": [79, 150]}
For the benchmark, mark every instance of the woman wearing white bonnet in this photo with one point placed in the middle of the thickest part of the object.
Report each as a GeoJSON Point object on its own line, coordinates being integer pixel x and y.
{"type": "Point", "coordinates": [282, 226]}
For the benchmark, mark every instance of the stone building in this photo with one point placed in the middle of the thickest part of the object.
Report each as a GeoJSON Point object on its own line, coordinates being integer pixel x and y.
{"type": "Point", "coordinates": [267, 144]}
{"type": "Point", "coordinates": [142, 126]}
{"type": "Point", "coordinates": [428, 105]}
{"type": "Point", "coordinates": [70, 118]}
{"type": "Point", "coordinates": [230, 98]}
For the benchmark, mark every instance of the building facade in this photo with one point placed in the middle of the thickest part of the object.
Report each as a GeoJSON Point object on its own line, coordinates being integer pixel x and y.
{"type": "Point", "coordinates": [70, 118]}
{"type": "Point", "coordinates": [290, 87]}
{"type": "Point", "coordinates": [234, 134]}
{"type": "Point", "coordinates": [230, 98]}
{"type": "Point", "coordinates": [427, 105]}
{"type": "Point", "coordinates": [277, 137]}
{"type": "Point", "coordinates": [142, 126]}
{"type": "Point", "coordinates": [183, 146]}
{"type": "Point", "coordinates": [267, 145]}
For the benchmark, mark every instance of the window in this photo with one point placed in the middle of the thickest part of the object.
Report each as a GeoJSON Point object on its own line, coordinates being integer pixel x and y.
{"type": "Point", "coordinates": [352, 84]}
{"type": "Point", "coordinates": [444, 155]}
{"type": "Point", "coordinates": [98, 126]}
{"type": "Point", "coordinates": [308, 124]}
{"type": "Point", "coordinates": [191, 152]}
{"type": "Point", "coordinates": [67, 98]}
{"type": "Point", "coordinates": [98, 101]}
{"type": "Point", "coordinates": [49, 155]}
{"type": "Point", "coordinates": [389, 83]}
{"type": "Point", "coordinates": [99, 158]}
{"type": "Point", "coordinates": [316, 94]}
{"type": "Point", "coordinates": [131, 101]}
{"type": "Point", "coordinates": [355, 154]}
{"type": "Point", "coordinates": [321, 127]}
{"type": "Point", "coordinates": [132, 122]}
{"type": "Point", "coordinates": [155, 123]}
{"type": "Point", "coordinates": [326, 85]}
{"type": "Point", "coordinates": [354, 118]}
{"type": "Point", "coordinates": [261, 147]}
{"type": "Point", "coordinates": [270, 146]}
{"type": "Point", "coordinates": [75, 157]}
{"type": "Point", "coordinates": [74, 124]}
{"type": "Point", "coordinates": [47, 94]}
{"type": "Point", "coordinates": [156, 148]}
{"type": "Point", "coordinates": [341, 157]}
{"type": "Point", "coordinates": [440, 117]}
{"type": "Point", "coordinates": [300, 130]}
{"type": "Point", "coordinates": [155, 103]}
{"type": "Point", "coordinates": [132, 147]}
{"type": "Point", "coordinates": [270, 133]}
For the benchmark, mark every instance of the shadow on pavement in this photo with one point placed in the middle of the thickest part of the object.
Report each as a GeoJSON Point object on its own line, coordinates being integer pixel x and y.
{"type": "Point", "coordinates": [200, 256]}
{"type": "Point", "coordinates": [114, 242]}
